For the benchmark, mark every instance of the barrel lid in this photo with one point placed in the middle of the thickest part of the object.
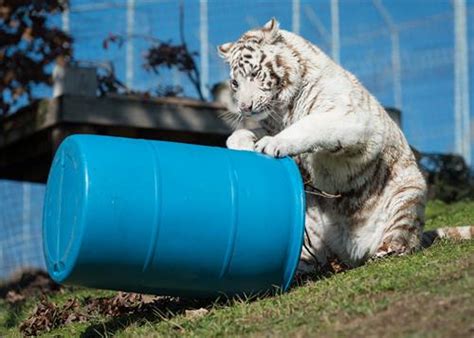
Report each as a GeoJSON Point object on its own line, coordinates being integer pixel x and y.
{"type": "Point", "coordinates": [63, 214]}
{"type": "Point", "coordinates": [298, 224]}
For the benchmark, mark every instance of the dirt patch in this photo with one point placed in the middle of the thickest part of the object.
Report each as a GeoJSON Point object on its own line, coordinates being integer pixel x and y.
{"type": "Point", "coordinates": [447, 314]}
{"type": "Point", "coordinates": [415, 314]}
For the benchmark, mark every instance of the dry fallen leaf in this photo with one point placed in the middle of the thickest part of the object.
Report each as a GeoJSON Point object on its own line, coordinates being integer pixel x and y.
{"type": "Point", "coordinates": [14, 297]}
{"type": "Point", "coordinates": [28, 283]}
{"type": "Point", "coordinates": [192, 314]}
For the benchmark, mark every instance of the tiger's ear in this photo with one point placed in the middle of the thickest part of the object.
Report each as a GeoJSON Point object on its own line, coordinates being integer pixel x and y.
{"type": "Point", "coordinates": [270, 30]}
{"type": "Point", "coordinates": [224, 50]}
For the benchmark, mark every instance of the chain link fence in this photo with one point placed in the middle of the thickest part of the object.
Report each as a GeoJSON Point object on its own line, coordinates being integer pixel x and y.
{"type": "Point", "coordinates": [422, 86]}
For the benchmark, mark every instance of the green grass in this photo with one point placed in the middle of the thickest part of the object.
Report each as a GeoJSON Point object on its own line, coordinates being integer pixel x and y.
{"type": "Point", "coordinates": [429, 293]}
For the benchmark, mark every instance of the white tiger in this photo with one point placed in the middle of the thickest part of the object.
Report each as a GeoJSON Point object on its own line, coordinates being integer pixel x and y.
{"type": "Point", "coordinates": [343, 141]}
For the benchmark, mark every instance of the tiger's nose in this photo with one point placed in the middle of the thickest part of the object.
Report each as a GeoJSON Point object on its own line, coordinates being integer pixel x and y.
{"type": "Point", "coordinates": [246, 107]}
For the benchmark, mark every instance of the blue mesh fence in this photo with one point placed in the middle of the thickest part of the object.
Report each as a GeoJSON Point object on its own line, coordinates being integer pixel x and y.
{"type": "Point", "coordinates": [20, 226]}
{"type": "Point", "coordinates": [426, 35]}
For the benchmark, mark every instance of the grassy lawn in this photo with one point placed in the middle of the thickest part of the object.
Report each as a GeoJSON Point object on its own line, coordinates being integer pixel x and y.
{"type": "Point", "coordinates": [430, 293]}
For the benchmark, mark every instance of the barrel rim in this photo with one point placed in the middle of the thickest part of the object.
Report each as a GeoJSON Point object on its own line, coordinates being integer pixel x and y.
{"type": "Point", "coordinates": [72, 257]}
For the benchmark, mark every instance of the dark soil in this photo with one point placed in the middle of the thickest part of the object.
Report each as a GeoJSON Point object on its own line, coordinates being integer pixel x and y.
{"type": "Point", "coordinates": [27, 283]}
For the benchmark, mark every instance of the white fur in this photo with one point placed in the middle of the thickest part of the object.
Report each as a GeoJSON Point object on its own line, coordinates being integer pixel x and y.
{"type": "Point", "coordinates": [241, 139]}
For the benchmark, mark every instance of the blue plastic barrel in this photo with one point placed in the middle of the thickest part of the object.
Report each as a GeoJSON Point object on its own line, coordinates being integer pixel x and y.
{"type": "Point", "coordinates": [171, 219]}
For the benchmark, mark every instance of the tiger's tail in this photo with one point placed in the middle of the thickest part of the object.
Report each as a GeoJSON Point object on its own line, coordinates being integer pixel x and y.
{"type": "Point", "coordinates": [454, 233]}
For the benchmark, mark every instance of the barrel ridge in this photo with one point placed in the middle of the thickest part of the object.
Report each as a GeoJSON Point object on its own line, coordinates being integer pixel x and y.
{"type": "Point", "coordinates": [158, 205]}
{"type": "Point", "coordinates": [233, 181]}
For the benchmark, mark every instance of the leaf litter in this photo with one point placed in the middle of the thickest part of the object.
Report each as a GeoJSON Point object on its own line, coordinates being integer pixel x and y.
{"type": "Point", "coordinates": [48, 316]}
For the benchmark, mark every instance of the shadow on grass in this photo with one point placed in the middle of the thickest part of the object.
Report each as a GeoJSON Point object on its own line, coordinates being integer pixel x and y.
{"type": "Point", "coordinates": [112, 314]}
{"type": "Point", "coordinates": [167, 308]}
{"type": "Point", "coordinates": [162, 309]}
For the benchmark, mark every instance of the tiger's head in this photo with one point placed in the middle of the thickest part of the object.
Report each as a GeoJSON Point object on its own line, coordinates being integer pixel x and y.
{"type": "Point", "coordinates": [262, 70]}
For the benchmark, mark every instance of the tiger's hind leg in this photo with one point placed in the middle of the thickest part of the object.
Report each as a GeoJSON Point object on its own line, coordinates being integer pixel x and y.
{"type": "Point", "coordinates": [404, 227]}
{"type": "Point", "coordinates": [314, 253]}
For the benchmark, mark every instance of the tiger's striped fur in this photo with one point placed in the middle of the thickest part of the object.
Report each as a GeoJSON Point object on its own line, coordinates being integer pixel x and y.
{"type": "Point", "coordinates": [343, 141]}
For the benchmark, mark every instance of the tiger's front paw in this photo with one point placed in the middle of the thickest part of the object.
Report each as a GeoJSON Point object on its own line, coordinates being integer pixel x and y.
{"type": "Point", "coordinates": [393, 248]}
{"type": "Point", "coordinates": [273, 146]}
{"type": "Point", "coordinates": [241, 139]}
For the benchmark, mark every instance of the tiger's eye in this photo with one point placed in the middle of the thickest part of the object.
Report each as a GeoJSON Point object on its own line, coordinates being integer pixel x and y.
{"type": "Point", "coordinates": [234, 83]}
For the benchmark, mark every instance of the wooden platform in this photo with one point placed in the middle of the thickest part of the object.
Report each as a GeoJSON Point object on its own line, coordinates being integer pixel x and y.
{"type": "Point", "coordinates": [29, 138]}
